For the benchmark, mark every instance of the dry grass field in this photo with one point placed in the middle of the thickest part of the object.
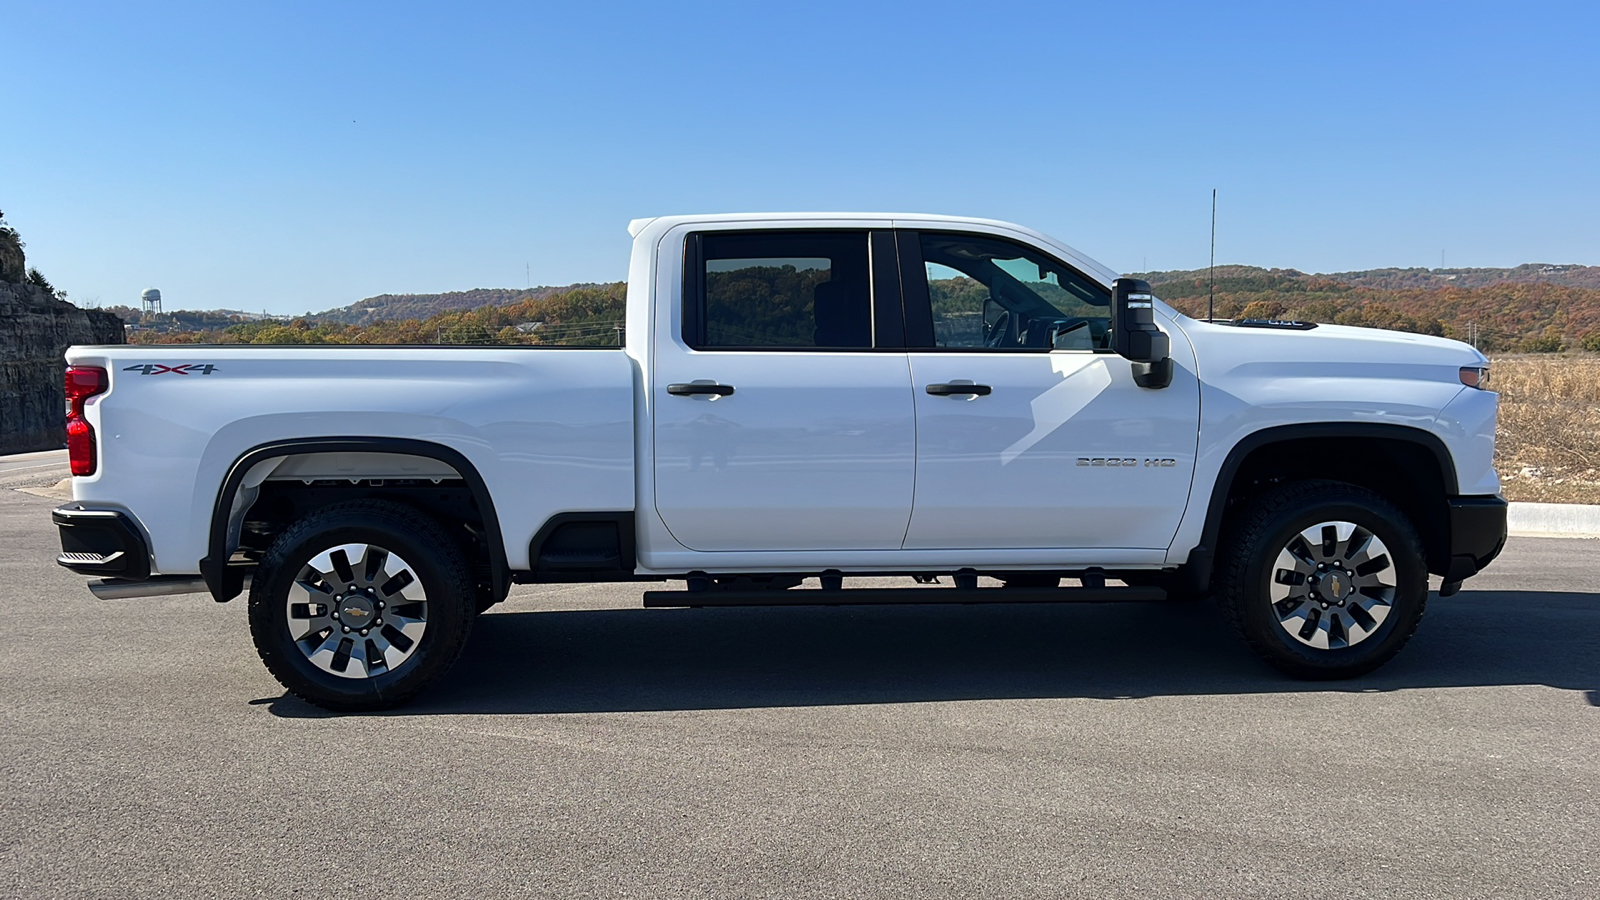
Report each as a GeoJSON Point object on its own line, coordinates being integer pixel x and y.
{"type": "Point", "coordinates": [1548, 449]}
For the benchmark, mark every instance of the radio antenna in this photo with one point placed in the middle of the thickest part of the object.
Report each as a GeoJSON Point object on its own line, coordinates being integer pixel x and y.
{"type": "Point", "coordinates": [1211, 307]}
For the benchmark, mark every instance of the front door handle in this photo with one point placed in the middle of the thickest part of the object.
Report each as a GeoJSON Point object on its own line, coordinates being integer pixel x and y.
{"type": "Point", "coordinates": [689, 390]}
{"type": "Point", "coordinates": [952, 390]}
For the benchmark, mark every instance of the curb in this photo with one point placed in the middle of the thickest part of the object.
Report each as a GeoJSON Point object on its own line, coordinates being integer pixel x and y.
{"type": "Point", "coordinates": [1553, 520]}
{"type": "Point", "coordinates": [61, 490]}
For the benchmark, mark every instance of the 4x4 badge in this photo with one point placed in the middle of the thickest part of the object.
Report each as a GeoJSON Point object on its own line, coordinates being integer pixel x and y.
{"type": "Point", "coordinates": [185, 369]}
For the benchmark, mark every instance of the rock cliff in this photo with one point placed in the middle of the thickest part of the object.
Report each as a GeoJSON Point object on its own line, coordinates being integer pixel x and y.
{"type": "Point", "coordinates": [35, 329]}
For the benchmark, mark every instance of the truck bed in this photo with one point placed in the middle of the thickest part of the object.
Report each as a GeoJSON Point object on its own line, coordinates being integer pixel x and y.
{"type": "Point", "coordinates": [552, 427]}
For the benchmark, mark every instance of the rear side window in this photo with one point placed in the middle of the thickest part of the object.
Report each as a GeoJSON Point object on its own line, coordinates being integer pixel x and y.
{"type": "Point", "coordinates": [778, 290]}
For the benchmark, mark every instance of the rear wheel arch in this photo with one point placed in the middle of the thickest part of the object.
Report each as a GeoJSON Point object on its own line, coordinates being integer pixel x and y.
{"type": "Point", "coordinates": [226, 582]}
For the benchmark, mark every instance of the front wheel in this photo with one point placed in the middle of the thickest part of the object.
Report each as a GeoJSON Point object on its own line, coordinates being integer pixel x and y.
{"type": "Point", "coordinates": [361, 605]}
{"type": "Point", "coordinates": [1323, 579]}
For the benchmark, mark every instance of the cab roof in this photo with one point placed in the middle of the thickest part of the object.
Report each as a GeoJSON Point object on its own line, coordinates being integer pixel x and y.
{"type": "Point", "coordinates": [658, 226]}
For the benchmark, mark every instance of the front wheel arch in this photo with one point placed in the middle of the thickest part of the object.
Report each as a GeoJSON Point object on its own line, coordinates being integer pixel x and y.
{"type": "Point", "coordinates": [1409, 465]}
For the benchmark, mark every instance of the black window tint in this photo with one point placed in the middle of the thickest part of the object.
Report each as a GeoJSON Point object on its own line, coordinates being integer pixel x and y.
{"type": "Point", "coordinates": [784, 289]}
{"type": "Point", "coordinates": [986, 292]}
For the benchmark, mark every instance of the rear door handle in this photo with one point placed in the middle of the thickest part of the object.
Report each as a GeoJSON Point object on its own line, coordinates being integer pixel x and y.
{"type": "Point", "coordinates": [721, 390]}
{"type": "Point", "coordinates": [951, 390]}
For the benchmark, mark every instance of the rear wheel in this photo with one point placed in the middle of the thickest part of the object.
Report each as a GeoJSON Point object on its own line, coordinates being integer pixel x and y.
{"type": "Point", "coordinates": [361, 605]}
{"type": "Point", "coordinates": [1323, 579]}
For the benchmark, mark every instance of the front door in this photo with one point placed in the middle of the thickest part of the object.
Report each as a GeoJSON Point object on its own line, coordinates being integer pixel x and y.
{"type": "Point", "coordinates": [1030, 432]}
{"type": "Point", "coordinates": [782, 404]}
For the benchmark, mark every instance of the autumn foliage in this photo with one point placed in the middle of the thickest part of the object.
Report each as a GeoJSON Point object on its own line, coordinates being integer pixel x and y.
{"type": "Point", "coordinates": [1528, 316]}
{"type": "Point", "coordinates": [1539, 311]}
{"type": "Point", "coordinates": [584, 316]}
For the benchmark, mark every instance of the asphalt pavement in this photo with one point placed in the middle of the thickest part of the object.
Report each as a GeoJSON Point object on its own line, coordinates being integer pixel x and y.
{"type": "Point", "coordinates": [19, 463]}
{"type": "Point", "coordinates": [587, 747]}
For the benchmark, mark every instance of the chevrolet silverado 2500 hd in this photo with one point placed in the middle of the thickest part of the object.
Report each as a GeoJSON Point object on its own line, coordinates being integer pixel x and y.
{"type": "Point", "coordinates": [821, 396]}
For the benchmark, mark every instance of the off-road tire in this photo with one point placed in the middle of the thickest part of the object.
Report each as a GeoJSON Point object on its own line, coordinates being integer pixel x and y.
{"type": "Point", "coordinates": [438, 565]}
{"type": "Point", "coordinates": [1247, 566]}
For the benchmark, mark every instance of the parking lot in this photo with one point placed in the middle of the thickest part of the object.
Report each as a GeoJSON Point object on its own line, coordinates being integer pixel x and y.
{"type": "Point", "coordinates": [588, 747]}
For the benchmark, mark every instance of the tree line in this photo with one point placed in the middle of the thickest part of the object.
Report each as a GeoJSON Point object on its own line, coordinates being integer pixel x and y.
{"type": "Point", "coordinates": [1536, 317]}
{"type": "Point", "coordinates": [582, 316]}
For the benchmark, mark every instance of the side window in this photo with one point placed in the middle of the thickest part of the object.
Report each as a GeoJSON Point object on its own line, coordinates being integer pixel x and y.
{"type": "Point", "coordinates": [990, 293]}
{"type": "Point", "coordinates": [779, 289]}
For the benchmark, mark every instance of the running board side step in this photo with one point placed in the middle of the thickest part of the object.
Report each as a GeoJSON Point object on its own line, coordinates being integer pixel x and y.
{"type": "Point", "coordinates": [894, 596]}
{"type": "Point", "coordinates": [156, 586]}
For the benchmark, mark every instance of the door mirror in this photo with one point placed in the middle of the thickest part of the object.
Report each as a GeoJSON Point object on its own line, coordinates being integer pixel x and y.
{"type": "Point", "coordinates": [1135, 336]}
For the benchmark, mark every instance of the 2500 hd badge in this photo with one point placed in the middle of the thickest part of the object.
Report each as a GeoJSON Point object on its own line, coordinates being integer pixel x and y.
{"type": "Point", "coordinates": [1125, 462]}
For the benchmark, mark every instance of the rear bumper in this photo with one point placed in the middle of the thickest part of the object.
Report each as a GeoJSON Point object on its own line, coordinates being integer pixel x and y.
{"type": "Point", "coordinates": [1477, 534]}
{"type": "Point", "coordinates": [101, 542]}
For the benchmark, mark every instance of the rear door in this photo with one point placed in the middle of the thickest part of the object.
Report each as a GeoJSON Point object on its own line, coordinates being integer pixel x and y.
{"type": "Point", "coordinates": [1030, 432]}
{"type": "Point", "coordinates": [781, 394]}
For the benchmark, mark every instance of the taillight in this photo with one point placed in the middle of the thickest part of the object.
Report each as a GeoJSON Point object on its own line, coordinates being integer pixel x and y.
{"type": "Point", "coordinates": [82, 383]}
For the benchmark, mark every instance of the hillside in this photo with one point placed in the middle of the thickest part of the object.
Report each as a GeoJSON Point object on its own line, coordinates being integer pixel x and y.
{"type": "Point", "coordinates": [1530, 308]}
{"type": "Point", "coordinates": [1527, 273]}
{"type": "Point", "coordinates": [587, 315]}
{"type": "Point", "coordinates": [181, 320]}
{"type": "Point", "coordinates": [1403, 279]}
{"type": "Point", "coordinates": [388, 307]}
{"type": "Point", "coordinates": [37, 324]}
{"type": "Point", "coordinates": [1527, 309]}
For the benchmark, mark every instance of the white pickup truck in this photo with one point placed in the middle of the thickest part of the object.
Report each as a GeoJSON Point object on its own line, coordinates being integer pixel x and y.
{"type": "Point", "coordinates": [800, 400]}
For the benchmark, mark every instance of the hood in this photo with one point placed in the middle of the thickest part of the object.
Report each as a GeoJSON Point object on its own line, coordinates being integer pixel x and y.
{"type": "Point", "coordinates": [1403, 338]}
{"type": "Point", "coordinates": [1326, 351]}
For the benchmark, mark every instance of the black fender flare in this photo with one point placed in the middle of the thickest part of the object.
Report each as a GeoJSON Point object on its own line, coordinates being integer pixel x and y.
{"type": "Point", "coordinates": [226, 582]}
{"type": "Point", "coordinates": [1201, 558]}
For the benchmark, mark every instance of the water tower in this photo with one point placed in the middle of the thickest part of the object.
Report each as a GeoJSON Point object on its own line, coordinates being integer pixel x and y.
{"type": "Point", "coordinates": [151, 298]}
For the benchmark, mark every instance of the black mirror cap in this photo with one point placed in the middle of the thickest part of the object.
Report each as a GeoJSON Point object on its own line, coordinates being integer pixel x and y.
{"type": "Point", "coordinates": [1153, 375]}
{"type": "Point", "coordinates": [1144, 346]}
{"type": "Point", "coordinates": [1134, 332]}
{"type": "Point", "coordinates": [1122, 287]}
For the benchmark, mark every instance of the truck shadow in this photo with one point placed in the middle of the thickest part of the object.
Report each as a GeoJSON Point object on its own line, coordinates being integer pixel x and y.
{"type": "Point", "coordinates": [628, 660]}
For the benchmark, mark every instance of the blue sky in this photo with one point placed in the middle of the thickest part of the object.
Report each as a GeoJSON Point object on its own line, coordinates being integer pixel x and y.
{"type": "Point", "coordinates": [295, 157]}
